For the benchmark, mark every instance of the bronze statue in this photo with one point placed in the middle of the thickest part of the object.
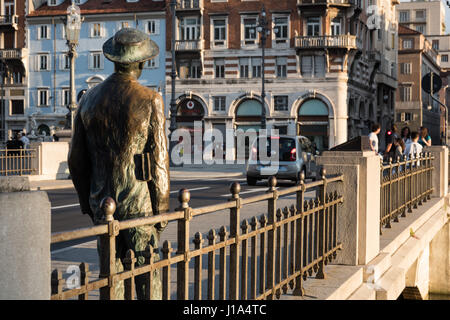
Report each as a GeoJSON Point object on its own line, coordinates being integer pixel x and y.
{"type": "Point", "coordinates": [118, 124]}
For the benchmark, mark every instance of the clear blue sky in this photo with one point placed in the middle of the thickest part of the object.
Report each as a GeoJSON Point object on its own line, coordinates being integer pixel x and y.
{"type": "Point", "coordinates": [447, 15]}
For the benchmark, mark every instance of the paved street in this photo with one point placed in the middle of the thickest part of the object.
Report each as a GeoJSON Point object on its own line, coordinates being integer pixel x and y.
{"type": "Point", "coordinates": [66, 213]}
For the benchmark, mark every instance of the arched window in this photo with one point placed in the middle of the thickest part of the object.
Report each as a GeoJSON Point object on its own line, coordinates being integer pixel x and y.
{"type": "Point", "coordinates": [313, 122]}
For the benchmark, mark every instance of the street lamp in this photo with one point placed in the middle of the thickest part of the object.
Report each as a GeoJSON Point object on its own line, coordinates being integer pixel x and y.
{"type": "Point", "coordinates": [264, 32]}
{"type": "Point", "coordinates": [173, 74]}
{"type": "Point", "coordinates": [73, 26]}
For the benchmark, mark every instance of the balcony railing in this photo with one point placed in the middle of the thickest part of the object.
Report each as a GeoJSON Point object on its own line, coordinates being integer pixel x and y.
{"type": "Point", "coordinates": [188, 45]}
{"type": "Point", "coordinates": [9, 19]}
{"type": "Point", "coordinates": [17, 162]}
{"type": "Point", "coordinates": [189, 4]}
{"type": "Point", "coordinates": [325, 2]}
{"type": "Point", "coordinates": [10, 54]}
{"type": "Point", "coordinates": [338, 41]}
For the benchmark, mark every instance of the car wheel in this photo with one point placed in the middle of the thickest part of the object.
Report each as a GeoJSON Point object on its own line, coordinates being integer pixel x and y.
{"type": "Point", "coordinates": [251, 181]}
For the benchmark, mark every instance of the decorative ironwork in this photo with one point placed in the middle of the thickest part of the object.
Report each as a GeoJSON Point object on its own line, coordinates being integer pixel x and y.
{"type": "Point", "coordinates": [293, 243]}
{"type": "Point", "coordinates": [17, 162]}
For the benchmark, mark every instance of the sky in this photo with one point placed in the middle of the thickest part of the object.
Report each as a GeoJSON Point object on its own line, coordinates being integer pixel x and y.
{"type": "Point", "coordinates": [447, 15]}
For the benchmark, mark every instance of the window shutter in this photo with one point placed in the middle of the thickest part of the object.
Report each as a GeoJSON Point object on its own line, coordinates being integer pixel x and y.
{"type": "Point", "coordinates": [90, 58]}
{"type": "Point", "coordinates": [157, 22]}
{"type": "Point", "coordinates": [101, 61]}
{"type": "Point", "coordinates": [306, 65]}
{"type": "Point", "coordinates": [38, 32]}
{"type": "Point", "coordinates": [36, 63]}
{"type": "Point", "coordinates": [49, 62]}
{"type": "Point", "coordinates": [319, 66]}
{"type": "Point", "coordinates": [156, 61]}
{"type": "Point", "coordinates": [102, 29]}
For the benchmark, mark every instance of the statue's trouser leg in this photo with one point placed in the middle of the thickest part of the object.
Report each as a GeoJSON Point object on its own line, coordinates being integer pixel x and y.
{"type": "Point", "coordinates": [137, 239]}
{"type": "Point", "coordinates": [102, 248]}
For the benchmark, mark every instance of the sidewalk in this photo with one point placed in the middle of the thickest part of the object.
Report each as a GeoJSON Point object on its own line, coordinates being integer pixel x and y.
{"type": "Point", "coordinates": [182, 172]}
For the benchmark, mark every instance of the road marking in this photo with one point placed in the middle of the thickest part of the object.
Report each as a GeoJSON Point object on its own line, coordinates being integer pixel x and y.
{"type": "Point", "coordinates": [194, 189]}
{"type": "Point", "coordinates": [244, 192]}
{"type": "Point", "coordinates": [66, 206]}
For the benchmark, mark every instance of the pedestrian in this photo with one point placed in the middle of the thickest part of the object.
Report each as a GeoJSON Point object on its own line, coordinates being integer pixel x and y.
{"type": "Point", "coordinates": [399, 148]}
{"type": "Point", "coordinates": [391, 136]}
{"type": "Point", "coordinates": [119, 150]}
{"type": "Point", "coordinates": [25, 140]}
{"type": "Point", "coordinates": [414, 148]}
{"type": "Point", "coordinates": [405, 134]}
{"type": "Point", "coordinates": [424, 138]}
{"type": "Point", "coordinates": [373, 137]}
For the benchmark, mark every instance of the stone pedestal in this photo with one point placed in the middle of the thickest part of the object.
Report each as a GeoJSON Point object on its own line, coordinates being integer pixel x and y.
{"type": "Point", "coordinates": [24, 245]}
{"type": "Point", "coordinates": [440, 172]}
{"type": "Point", "coordinates": [440, 262]}
{"type": "Point", "coordinates": [359, 217]}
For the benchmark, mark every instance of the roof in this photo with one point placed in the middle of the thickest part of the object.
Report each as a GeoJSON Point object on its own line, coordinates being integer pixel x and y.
{"type": "Point", "coordinates": [100, 7]}
{"type": "Point", "coordinates": [404, 30]}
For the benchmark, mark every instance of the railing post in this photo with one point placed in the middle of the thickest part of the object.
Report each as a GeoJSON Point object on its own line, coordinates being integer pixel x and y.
{"type": "Point", "coordinates": [272, 207]}
{"type": "Point", "coordinates": [211, 265]}
{"type": "Point", "coordinates": [183, 245]}
{"type": "Point", "coordinates": [198, 241]}
{"type": "Point", "coordinates": [128, 264]}
{"type": "Point", "coordinates": [84, 280]}
{"type": "Point", "coordinates": [388, 221]}
{"type": "Point", "coordinates": [234, 248]}
{"type": "Point", "coordinates": [322, 196]}
{"type": "Point", "coordinates": [297, 227]}
{"type": "Point", "coordinates": [108, 270]}
{"type": "Point", "coordinates": [167, 253]}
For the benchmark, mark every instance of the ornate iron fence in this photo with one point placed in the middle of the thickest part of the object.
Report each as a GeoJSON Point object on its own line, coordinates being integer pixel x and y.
{"type": "Point", "coordinates": [17, 162]}
{"type": "Point", "coordinates": [257, 259]}
{"type": "Point", "coordinates": [405, 184]}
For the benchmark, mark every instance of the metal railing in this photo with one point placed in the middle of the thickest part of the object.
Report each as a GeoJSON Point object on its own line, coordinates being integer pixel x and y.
{"type": "Point", "coordinates": [258, 259]}
{"type": "Point", "coordinates": [17, 162]}
{"type": "Point", "coordinates": [10, 54]}
{"type": "Point", "coordinates": [324, 2]}
{"type": "Point", "coordinates": [337, 41]}
{"type": "Point", "coordinates": [189, 4]}
{"type": "Point", "coordinates": [405, 184]}
{"type": "Point", "coordinates": [9, 19]}
{"type": "Point", "coordinates": [188, 45]}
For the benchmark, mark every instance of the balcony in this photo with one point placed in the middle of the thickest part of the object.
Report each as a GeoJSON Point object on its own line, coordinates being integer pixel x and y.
{"type": "Point", "coordinates": [374, 56]}
{"type": "Point", "coordinates": [320, 42]}
{"type": "Point", "coordinates": [10, 53]}
{"type": "Point", "coordinates": [346, 3]}
{"type": "Point", "coordinates": [188, 45]}
{"type": "Point", "coordinates": [189, 5]}
{"type": "Point", "coordinates": [9, 20]}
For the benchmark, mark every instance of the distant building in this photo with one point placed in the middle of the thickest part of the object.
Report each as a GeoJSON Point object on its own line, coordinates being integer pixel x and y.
{"type": "Point", "coordinates": [13, 59]}
{"type": "Point", "coordinates": [426, 17]}
{"type": "Point", "coordinates": [414, 107]}
{"type": "Point", "coordinates": [329, 73]}
{"type": "Point", "coordinates": [49, 67]}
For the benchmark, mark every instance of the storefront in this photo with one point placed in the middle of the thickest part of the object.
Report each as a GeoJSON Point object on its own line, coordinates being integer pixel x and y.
{"type": "Point", "coordinates": [313, 123]}
{"type": "Point", "coordinates": [247, 116]}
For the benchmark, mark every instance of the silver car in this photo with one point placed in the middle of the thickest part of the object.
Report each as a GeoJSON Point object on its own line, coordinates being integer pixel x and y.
{"type": "Point", "coordinates": [295, 155]}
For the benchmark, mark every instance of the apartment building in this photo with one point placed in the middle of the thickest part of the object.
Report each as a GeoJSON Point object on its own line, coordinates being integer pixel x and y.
{"type": "Point", "coordinates": [414, 107]}
{"type": "Point", "coordinates": [329, 72]}
{"type": "Point", "coordinates": [49, 64]}
{"type": "Point", "coordinates": [13, 59]}
{"type": "Point", "coordinates": [426, 17]}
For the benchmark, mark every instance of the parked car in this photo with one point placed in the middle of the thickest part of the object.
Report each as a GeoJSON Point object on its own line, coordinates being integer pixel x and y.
{"type": "Point", "coordinates": [295, 155]}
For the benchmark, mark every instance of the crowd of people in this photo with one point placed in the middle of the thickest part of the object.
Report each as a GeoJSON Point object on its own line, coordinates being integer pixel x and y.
{"type": "Point", "coordinates": [405, 143]}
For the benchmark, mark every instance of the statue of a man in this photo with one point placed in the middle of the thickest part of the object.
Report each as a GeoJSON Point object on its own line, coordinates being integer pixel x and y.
{"type": "Point", "coordinates": [118, 124]}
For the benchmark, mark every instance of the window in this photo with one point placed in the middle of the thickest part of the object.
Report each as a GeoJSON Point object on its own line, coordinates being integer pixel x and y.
{"type": "Point", "coordinates": [195, 69]}
{"type": "Point", "coordinates": [256, 67]}
{"type": "Point", "coordinates": [444, 58]}
{"type": "Point", "coordinates": [281, 29]}
{"type": "Point", "coordinates": [43, 32]}
{"type": "Point", "coordinates": [420, 14]}
{"type": "Point", "coordinates": [244, 65]}
{"type": "Point", "coordinates": [65, 97]}
{"type": "Point", "coordinates": [52, 3]}
{"type": "Point", "coordinates": [420, 28]}
{"type": "Point", "coordinates": [280, 103]}
{"type": "Point", "coordinates": [435, 44]}
{"type": "Point", "coordinates": [220, 32]}
{"type": "Point", "coordinates": [405, 93]}
{"type": "Point", "coordinates": [42, 97]}
{"type": "Point", "coordinates": [65, 62]}
{"type": "Point", "coordinates": [124, 24]}
{"type": "Point", "coordinates": [153, 63]}
{"type": "Point", "coordinates": [219, 103]}
{"type": "Point", "coordinates": [17, 107]}
{"type": "Point", "coordinates": [281, 67]}
{"type": "Point", "coordinates": [405, 68]}
{"type": "Point", "coordinates": [43, 62]}
{"type": "Point", "coordinates": [313, 26]}
{"type": "Point", "coordinates": [16, 77]}
{"type": "Point", "coordinates": [190, 28]}
{"type": "Point", "coordinates": [95, 60]}
{"type": "Point", "coordinates": [96, 30]}
{"type": "Point", "coordinates": [336, 27]}
{"type": "Point", "coordinates": [407, 44]}
{"type": "Point", "coordinates": [152, 27]}
{"type": "Point", "coordinates": [249, 31]}
{"type": "Point", "coordinates": [219, 67]}
{"type": "Point", "coordinates": [313, 65]}
{"type": "Point", "coordinates": [250, 67]}
{"type": "Point", "coordinates": [403, 16]}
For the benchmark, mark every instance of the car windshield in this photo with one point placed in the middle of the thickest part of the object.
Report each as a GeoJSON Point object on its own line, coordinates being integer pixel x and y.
{"type": "Point", "coordinates": [286, 150]}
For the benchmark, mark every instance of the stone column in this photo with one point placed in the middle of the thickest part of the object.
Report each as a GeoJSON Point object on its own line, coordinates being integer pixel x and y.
{"type": "Point", "coordinates": [440, 262]}
{"type": "Point", "coordinates": [24, 241]}
{"type": "Point", "coordinates": [359, 216]}
{"type": "Point", "coordinates": [440, 172]}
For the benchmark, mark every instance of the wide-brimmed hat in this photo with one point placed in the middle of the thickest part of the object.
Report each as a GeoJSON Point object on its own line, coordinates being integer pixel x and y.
{"type": "Point", "coordinates": [130, 45]}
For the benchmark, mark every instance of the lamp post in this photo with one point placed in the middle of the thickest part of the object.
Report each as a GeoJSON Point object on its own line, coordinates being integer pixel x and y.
{"type": "Point", "coordinates": [173, 74]}
{"type": "Point", "coordinates": [264, 32]}
{"type": "Point", "coordinates": [73, 26]}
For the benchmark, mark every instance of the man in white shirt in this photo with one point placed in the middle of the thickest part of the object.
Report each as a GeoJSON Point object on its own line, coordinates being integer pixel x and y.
{"type": "Point", "coordinates": [373, 138]}
{"type": "Point", "coordinates": [25, 140]}
{"type": "Point", "coordinates": [414, 148]}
